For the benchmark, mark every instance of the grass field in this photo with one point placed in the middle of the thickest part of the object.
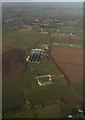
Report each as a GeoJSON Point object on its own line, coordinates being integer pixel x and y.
{"type": "Point", "coordinates": [22, 114]}
{"type": "Point", "coordinates": [34, 69]}
{"type": "Point", "coordinates": [44, 79]}
{"type": "Point", "coordinates": [22, 39]}
{"type": "Point", "coordinates": [79, 88]}
{"type": "Point", "coordinates": [57, 110]}
{"type": "Point", "coordinates": [11, 93]}
{"type": "Point", "coordinates": [52, 94]}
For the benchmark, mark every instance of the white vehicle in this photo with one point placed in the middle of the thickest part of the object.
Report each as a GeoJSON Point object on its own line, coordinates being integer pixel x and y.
{"type": "Point", "coordinates": [70, 116]}
{"type": "Point", "coordinates": [80, 111]}
{"type": "Point", "coordinates": [27, 58]}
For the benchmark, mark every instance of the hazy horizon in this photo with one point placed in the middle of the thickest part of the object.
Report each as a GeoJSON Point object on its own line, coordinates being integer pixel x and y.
{"type": "Point", "coordinates": [42, 0]}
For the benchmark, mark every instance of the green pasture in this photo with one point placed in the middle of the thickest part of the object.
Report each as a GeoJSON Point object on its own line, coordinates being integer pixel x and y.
{"type": "Point", "coordinates": [11, 93]}
{"type": "Point", "coordinates": [37, 69]}
{"type": "Point", "coordinates": [22, 39]}
{"type": "Point", "coordinates": [44, 79]}
{"type": "Point", "coordinates": [21, 114]}
{"type": "Point", "coordinates": [50, 95]}
{"type": "Point", "coordinates": [6, 28]}
{"type": "Point", "coordinates": [56, 110]}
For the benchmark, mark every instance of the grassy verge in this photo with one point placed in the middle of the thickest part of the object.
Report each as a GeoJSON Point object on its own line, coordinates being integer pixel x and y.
{"type": "Point", "coordinates": [79, 88]}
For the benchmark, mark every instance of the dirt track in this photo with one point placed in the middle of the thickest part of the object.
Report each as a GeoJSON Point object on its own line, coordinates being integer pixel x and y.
{"type": "Point", "coordinates": [13, 62]}
{"type": "Point", "coordinates": [70, 62]}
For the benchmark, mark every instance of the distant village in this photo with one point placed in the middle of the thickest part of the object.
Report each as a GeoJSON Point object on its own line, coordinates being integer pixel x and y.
{"type": "Point", "coordinates": [26, 22]}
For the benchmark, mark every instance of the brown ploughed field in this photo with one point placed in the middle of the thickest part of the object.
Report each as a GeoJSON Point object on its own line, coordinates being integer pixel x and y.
{"type": "Point", "coordinates": [13, 62]}
{"type": "Point", "coordinates": [70, 62]}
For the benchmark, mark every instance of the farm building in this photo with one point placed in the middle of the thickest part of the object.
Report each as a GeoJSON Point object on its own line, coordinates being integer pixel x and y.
{"type": "Point", "coordinates": [35, 55]}
{"type": "Point", "coordinates": [45, 46]}
{"type": "Point", "coordinates": [36, 51]}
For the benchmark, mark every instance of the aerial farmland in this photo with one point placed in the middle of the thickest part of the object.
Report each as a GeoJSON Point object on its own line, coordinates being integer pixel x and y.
{"type": "Point", "coordinates": [42, 60]}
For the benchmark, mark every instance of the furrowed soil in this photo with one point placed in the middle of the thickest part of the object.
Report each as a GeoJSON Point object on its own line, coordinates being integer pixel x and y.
{"type": "Point", "coordinates": [70, 62]}
{"type": "Point", "coordinates": [13, 62]}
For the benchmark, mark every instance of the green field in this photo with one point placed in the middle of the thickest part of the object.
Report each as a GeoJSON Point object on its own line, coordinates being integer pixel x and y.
{"type": "Point", "coordinates": [21, 114]}
{"type": "Point", "coordinates": [54, 111]}
{"type": "Point", "coordinates": [11, 93]}
{"type": "Point", "coordinates": [44, 79]}
{"type": "Point", "coordinates": [29, 77]}
{"type": "Point", "coordinates": [57, 110]}
{"type": "Point", "coordinates": [22, 39]}
{"type": "Point", "coordinates": [79, 88]}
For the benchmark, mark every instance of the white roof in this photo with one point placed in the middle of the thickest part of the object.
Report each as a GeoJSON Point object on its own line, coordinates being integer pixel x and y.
{"type": "Point", "coordinates": [37, 20]}
{"type": "Point", "coordinates": [70, 116]}
{"type": "Point", "coordinates": [36, 49]}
